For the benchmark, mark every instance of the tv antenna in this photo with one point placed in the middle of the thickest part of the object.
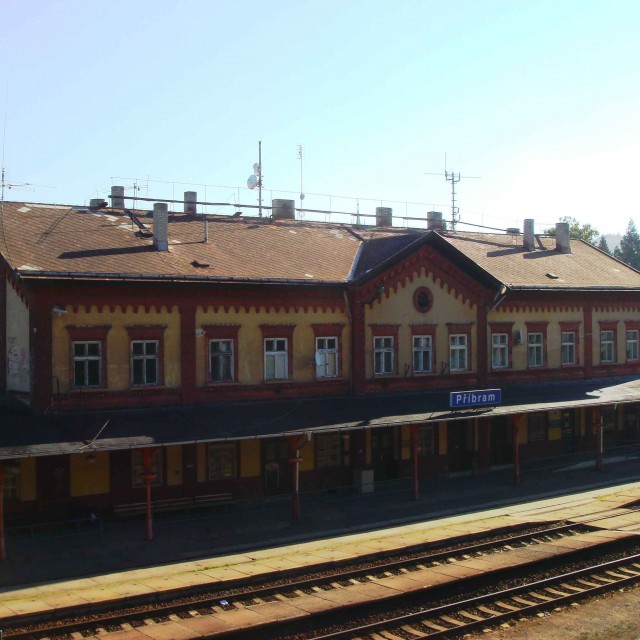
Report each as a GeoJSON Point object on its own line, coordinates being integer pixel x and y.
{"type": "Point", "coordinates": [255, 179]}
{"type": "Point", "coordinates": [453, 178]}
{"type": "Point", "coordinates": [301, 189]}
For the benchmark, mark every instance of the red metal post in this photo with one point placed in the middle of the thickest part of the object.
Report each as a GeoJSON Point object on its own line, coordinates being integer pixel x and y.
{"type": "Point", "coordinates": [414, 456]}
{"type": "Point", "coordinates": [294, 447]}
{"type": "Point", "coordinates": [599, 435]}
{"type": "Point", "coordinates": [516, 450]}
{"type": "Point", "coordinates": [2, 549]}
{"type": "Point", "coordinates": [148, 476]}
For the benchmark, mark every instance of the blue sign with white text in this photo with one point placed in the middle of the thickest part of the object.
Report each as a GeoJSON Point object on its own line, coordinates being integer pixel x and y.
{"type": "Point", "coordinates": [478, 398]}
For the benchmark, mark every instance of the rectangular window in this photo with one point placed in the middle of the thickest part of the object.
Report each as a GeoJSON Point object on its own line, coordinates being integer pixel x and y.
{"type": "Point", "coordinates": [329, 450]}
{"type": "Point", "coordinates": [223, 461]}
{"type": "Point", "coordinates": [144, 362]}
{"type": "Point", "coordinates": [326, 357]}
{"type": "Point", "coordinates": [499, 350]}
{"type": "Point", "coordinates": [607, 353]}
{"type": "Point", "coordinates": [537, 427]}
{"type": "Point", "coordinates": [87, 364]}
{"type": "Point", "coordinates": [632, 345]}
{"type": "Point", "coordinates": [427, 441]}
{"type": "Point", "coordinates": [422, 354]}
{"type": "Point", "coordinates": [221, 360]}
{"type": "Point", "coordinates": [535, 352]}
{"type": "Point", "coordinates": [275, 359]}
{"type": "Point", "coordinates": [458, 352]}
{"type": "Point", "coordinates": [138, 470]}
{"type": "Point", "coordinates": [568, 347]}
{"type": "Point", "coordinates": [383, 355]}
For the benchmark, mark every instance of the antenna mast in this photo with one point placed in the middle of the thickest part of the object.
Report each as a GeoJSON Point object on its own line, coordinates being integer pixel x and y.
{"type": "Point", "coordinates": [301, 189]}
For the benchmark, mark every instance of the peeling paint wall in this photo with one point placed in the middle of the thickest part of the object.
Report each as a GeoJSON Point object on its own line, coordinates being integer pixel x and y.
{"type": "Point", "coordinates": [17, 354]}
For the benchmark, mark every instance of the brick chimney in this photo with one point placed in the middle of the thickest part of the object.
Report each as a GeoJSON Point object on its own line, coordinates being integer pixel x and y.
{"type": "Point", "coordinates": [528, 240]}
{"type": "Point", "coordinates": [434, 221]}
{"type": "Point", "coordinates": [117, 197]}
{"type": "Point", "coordinates": [563, 237]}
{"type": "Point", "coordinates": [190, 199]}
{"type": "Point", "coordinates": [161, 226]}
{"type": "Point", "coordinates": [384, 217]}
{"type": "Point", "coordinates": [283, 209]}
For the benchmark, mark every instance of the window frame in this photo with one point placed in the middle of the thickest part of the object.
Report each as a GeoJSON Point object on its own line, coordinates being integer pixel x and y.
{"type": "Point", "coordinates": [328, 331]}
{"type": "Point", "coordinates": [570, 328]}
{"type": "Point", "coordinates": [220, 333]}
{"type": "Point", "coordinates": [384, 332]}
{"type": "Point", "coordinates": [137, 468]}
{"type": "Point", "coordinates": [457, 331]}
{"type": "Point", "coordinates": [608, 328]}
{"type": "Point", "coordinates": [384, 352]}
{"type": "Point", "coordinates": [533, 329]}
{"type": "Point", "coordinates": [632, 327]}
{"type": "Point", "coordinates": [501, 349]}
{"type": "Point", "coordinates": [145, 358]}
{"type": "Point", "coordinates": [277, 333]}
{"type": "Point", "coordinates": [423, 331]}
{"type": "Point", "coordinates": [229, 451]}
{"type": "Point", "coordinates": [88, 334]}
{"type": "Point", "coordinates": [331, 456]}
{"type": "Point", "coordinates": [147, 333]}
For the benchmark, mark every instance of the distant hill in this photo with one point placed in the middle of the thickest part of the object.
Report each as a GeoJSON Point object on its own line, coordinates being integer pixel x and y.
{"type": "Point", "coordinates": [613, 240]}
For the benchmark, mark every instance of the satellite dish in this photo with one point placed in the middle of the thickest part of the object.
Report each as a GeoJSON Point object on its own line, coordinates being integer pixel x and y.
{"type": "Point", "coordinates": [256, 169]}
{"type": "Point", "coordinates": [252, 182]}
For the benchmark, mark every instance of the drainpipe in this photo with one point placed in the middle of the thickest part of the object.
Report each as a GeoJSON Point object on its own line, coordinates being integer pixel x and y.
{"type": "Point", "coordinates": [414, 454]}
{"type": "Point", "coordinates": [295, 460]}
{"type": "Point", "coordinates": [148, 476]}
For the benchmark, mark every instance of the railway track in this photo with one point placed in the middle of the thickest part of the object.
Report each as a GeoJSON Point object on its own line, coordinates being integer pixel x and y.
{"type": "Point", "coordinates": [284, 586]}
{"type": "Point", "coordinates": [470, 614]}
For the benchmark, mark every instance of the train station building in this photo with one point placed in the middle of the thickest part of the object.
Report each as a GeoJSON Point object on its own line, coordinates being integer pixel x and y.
{"type": "Point", "coordinates": [176, 359]}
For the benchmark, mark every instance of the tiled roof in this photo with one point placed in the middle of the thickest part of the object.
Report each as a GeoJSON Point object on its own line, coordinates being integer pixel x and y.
{"type": "Point", "coordinates": [505, 258]}
{"type": "Point", "coordinates": [38, 239]}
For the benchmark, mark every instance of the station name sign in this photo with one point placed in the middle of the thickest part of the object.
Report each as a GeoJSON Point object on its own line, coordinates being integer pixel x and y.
{"type": "Point", "coordinates": [478, 398]}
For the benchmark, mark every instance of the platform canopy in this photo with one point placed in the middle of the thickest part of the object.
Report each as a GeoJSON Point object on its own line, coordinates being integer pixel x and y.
{"type": "Point", "coordinates": [24, 434]}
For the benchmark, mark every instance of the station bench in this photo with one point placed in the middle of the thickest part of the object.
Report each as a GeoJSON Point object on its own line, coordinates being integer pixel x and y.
{"type": "Point", "coordinates": [174, 504]}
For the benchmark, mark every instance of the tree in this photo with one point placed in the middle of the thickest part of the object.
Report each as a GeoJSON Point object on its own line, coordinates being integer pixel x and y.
{"type": "Point", "coordinates": [579, 231]}
{"type": "Point", "coordinates": [629, 249]}
{"type": "Point", "coordinates": [603, 245]}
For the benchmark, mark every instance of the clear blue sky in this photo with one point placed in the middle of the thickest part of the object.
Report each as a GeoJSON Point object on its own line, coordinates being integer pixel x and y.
{"type": "Point", "coordinates": [541, 99]}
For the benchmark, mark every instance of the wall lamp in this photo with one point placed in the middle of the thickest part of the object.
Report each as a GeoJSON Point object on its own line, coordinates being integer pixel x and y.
{"type": "Point", "coordinates": [59, 311]}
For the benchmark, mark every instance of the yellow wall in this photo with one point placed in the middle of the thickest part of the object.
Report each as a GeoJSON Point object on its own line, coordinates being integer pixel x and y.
{"type": "Point", "coordinates": [118, 349]}
{"type": "Point", "coordinates": [174, 465]}
{"type": "Point", "coordinates": [89, 478]}
{"type": "Point", "coordinates": [17, 354]}
{"type": "Point", "coordinates": [251, 346]}
{"type": "Point", "coordinates": [398, 308]}
{"type": "Point", "coordinates": [27, 479]}
{"type": "Point", "coordinates": [250, 458]}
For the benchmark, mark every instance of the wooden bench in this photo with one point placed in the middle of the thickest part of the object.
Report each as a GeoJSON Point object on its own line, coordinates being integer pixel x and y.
{"type": "Point", "coordinates": [173, 504]}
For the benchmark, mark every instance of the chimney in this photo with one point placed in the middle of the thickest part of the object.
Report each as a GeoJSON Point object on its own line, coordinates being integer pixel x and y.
{"type": "Point", "coordinates": [161, 226]}
{"type": "Point", "coordinates": [563, 244]}
{"type": "Point", "coordinates": [434, 221]}
{"type": "Point", "coordinates": [528, 238]}
{"type": "Point", "coordinates": [117, 197]}
{"type": "Point", "coordinates": [283, 209]}
{"type": "Point", "coordinates": [97, 203]}
{"type": "Point", "coordinates": [384, 217]}
{"type": "Point", "coordinates": [190, 199]}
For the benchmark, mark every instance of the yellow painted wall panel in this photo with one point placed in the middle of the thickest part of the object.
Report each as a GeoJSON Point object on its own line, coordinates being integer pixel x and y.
{"type": "Point", "coordinates": [118, 344]}
{"type": "Point", "coordinates": [442, 439]}
{"type": "Point", "coordinates": [251, 346]}
{"type": "Point", "coordinates": [28, 483]}
{"type": "Point", "coordinates": [201, 457]}
{"type": "Point", "coordinates": [174, 465]}
{"type": "Point", "coordinates": [89, 478]}
{"type": "Point", "coordinates": [249, 458]}
{"type": "Point", "coordinates": [398, 308]}
{"type": "Point", "coordinates": [554, 433]}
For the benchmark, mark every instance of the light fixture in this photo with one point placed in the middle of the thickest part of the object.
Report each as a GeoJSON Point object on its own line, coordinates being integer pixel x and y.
{"type": "Point", "coordinates": [58, 310]}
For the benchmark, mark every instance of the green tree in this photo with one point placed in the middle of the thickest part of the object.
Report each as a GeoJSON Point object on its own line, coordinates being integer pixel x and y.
{"type": "Point", "coordinates": [579, 231]}
{"type": "Point", "coordinates": [603, 245]}
{"type": "Point", "coordinates": [629, 249]}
